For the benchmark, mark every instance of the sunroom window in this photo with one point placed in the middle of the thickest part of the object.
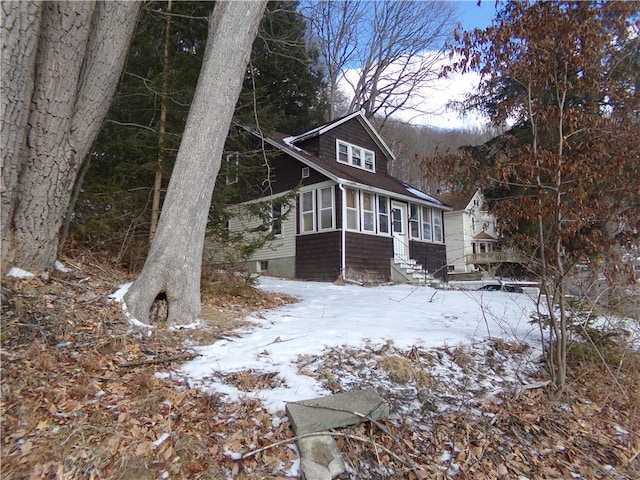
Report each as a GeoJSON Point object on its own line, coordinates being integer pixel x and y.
{"type": "Point", "coordinates": [414, 221]}
{"type": "Point", "coordinates": [426, 223]}
{"type": "Point", "coordinates": [307, 212]}
{"type": "Point", "coordinates": [383, 214]}
{"type": "Point", "coordinates": [437, 226]}
{"type": "Point", "coordinates": [326, 208]}
{"type": "Point", "coordinates": [352, 209]}
{"type": "Point", "coordinates": [368, 217]}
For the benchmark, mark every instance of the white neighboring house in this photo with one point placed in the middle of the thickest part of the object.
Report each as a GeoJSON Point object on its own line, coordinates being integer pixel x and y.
{"type": "Point", "coordinates": [472, 236]}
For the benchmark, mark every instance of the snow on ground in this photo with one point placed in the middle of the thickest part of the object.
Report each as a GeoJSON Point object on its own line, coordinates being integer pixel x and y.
{"type": "Point", "coordinates": [329, 316]}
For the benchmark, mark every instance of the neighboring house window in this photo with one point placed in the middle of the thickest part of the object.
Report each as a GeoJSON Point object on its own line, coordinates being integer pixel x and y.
{"type": "Point", "coordinates": [355, 156]}
{"type": "Point", "coordinates": [368, 214]}
{"type": "Point", "coordinates": [276, 219]}
{"type": "Point", "coordinates": [437, 226]}
{"type": "Point", "coordinates": [326, 208]}
{"type": "Point", "coordinates": [383, 214]}
{"type": "Point", "coordinates": [414, 221]}
{"type": "Point", "coordinates": [352, 209]}
{"type": "Point", "coordinates": [473, 224]}
{"type": "Point", "coordinates": [426, 223]}
{"type": "Point", "coordinates": [307, 212]}
{"type": "Point", "coordinates": [232, 168]}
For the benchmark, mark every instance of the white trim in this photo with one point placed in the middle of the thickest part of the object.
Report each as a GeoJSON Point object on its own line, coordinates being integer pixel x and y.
{"type": "Point", "coordinates": [351, 148]}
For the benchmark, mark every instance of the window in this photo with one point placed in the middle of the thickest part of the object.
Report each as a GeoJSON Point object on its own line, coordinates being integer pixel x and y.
{"type": "Point", "coordinates": [343, 152]}
{"type": "Point", "coordinates": [355, 156]}
{"type": "Point", "coordinates": [368, 160]}
{"type": "Point", "coordinates": [426, 223]}
{"type": "Point", "coordinates": [368, 215]}
{"type": "Point", "coordinates": [326, 208]}
{"type": "Point", "coordinates": [414, 221]}
{"type": "Point", "coordinates": [232, 168]}
{"type": "Point", "coordinates": [352, 209]}
{"type": "Point", "coordinates": [276, 219]}
{"type": "Point", "coordinates": [305, 172]}
{"type": "Point", "coordinates": [437, 226]}
{"type": "Point", "coordinates": [307, 212]}
{"type": "Point", "coordinates": [383, 214]}
{"type": "Point", "coordinates": [263, 265]}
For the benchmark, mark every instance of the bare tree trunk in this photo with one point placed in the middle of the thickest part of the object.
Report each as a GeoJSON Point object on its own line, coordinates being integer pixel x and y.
{"type": "Point", "coordinates": [20, 24]}
{"type": "Point", "coordinates": [174, 262]}
{"type": "Point", "coordinates": [79, 49]}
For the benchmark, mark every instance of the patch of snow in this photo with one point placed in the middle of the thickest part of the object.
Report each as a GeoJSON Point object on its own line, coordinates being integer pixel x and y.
{"type": "Point", "coordinates": [351, 316]}
{"type": "Point", "coordinates": [119, 294]}
{"type": "Point", "coordinates": [61, 268]}
{"type": "Point", "coordinates": [186, 326]}
{"type": "Point", "coordinates": [233, 455]}
{"type": "Point", "coordinates": [160, 440]}
{"type": "Point", "coordinates": [16, 272]}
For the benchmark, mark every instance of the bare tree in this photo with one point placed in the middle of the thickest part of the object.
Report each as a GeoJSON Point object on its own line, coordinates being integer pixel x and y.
{"type": "Point", "coordinates": [568, 172]}
{"type": "Point", "coordinates": [392, 50]}
{"type": "Point", "coordinates": [60, 67]}
{"type": "Point", "coordinates": [173, 266]}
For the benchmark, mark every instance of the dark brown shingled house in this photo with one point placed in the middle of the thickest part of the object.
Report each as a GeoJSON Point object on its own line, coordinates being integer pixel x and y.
{"type": "Point", "coordinates": [351, 219]}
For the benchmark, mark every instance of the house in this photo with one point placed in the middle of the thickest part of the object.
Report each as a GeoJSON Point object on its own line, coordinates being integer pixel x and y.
{"type": "Point", "coordinates": [472, 235]}
{"type": "Point", "coordinates": [350, 219]}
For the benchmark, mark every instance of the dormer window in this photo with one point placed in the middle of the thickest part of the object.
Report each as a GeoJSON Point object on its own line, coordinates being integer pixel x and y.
{"type": "Point", "coordinates": [355, 156]}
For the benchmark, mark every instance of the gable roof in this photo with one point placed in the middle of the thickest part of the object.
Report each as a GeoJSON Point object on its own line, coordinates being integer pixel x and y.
{"type": "Point", "coordinates": [345, 174]}
{"type": "Point", "coordinates": [459, 200]}
{"type": "Point", "coordinates": [334, 123]}
{"type": "Point", "coordinates": [354, 177]}
{"type": "Point", "coordinates": [484, 236]}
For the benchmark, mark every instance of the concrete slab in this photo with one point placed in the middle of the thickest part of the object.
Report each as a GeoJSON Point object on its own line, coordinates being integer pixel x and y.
{"type": "Point", "coordinates": [334, 411]}
{"type": "Point", "coordinates": [319, 457]}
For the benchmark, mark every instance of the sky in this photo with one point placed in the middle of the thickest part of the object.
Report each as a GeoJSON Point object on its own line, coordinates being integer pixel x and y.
{"type": "Point", "coordinates": [471, 16]}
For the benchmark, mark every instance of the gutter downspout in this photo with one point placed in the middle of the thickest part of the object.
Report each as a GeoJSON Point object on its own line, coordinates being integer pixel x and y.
{"type": "Point", "coordinates": [343, 260]}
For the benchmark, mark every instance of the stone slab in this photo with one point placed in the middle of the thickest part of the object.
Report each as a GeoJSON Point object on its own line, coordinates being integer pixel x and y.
{"type": "Point", "coordinates": [319, 457]}
{"type": "Point", "coordinates": [335, 411]}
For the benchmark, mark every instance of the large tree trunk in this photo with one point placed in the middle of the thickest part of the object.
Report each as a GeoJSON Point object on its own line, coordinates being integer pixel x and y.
{"type": "Point", "coordinates": [66, 58]}
{"type": "Point", "coordinates": [174, 263]}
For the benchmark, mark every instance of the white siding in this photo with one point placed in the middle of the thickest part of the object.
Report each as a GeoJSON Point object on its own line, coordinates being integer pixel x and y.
{"type": "Point", "coordinates": [282, 246]}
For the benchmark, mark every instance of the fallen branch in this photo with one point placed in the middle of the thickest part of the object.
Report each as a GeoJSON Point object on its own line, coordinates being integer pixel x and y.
{"type": "Point", "coordinates": [154, 361]}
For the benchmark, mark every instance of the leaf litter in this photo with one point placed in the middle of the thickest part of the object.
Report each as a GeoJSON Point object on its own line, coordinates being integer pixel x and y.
{"type": "Point", "coordinates": [82, 398]}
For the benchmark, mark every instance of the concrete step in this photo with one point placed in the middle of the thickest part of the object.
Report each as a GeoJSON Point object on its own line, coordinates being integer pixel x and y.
{"type": "Point", "coordinates": [334, 411]}
{"type": "Point", "coordinates": [320, 458]}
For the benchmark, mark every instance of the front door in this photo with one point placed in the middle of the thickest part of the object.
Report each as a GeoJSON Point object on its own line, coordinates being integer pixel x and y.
{"type": "Point", "coordinates": [398, 225]}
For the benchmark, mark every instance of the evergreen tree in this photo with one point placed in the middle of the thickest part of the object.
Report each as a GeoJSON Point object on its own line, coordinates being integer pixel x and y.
{"type": "Point", "coordinates": [281, 91]}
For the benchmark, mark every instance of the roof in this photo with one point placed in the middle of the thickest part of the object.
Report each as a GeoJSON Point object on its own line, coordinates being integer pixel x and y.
{"type": "Point", "coordinates": [339, 121]}
{"type": "Point", "coordinates": [484, 236]}
{"type": "Point", "coordinates": [351, 176]}
{"type": "Point", "coordinates": [457, 201]}
{"type": "Point", "coordinates": [345, 174]}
